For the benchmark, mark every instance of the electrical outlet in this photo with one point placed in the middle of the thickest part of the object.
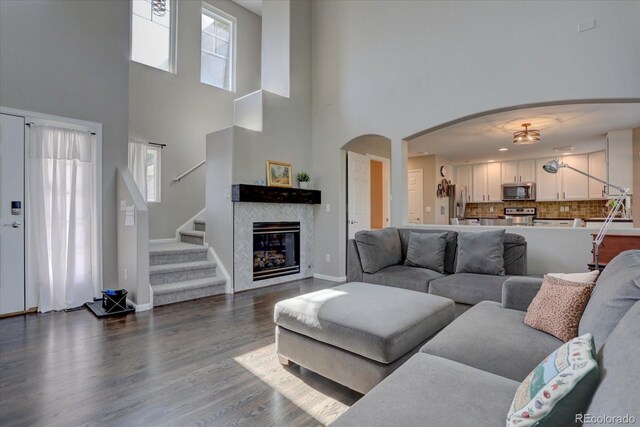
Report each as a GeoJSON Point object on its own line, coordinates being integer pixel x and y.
{"type": "Point", "coordinates": [327, 258]}
{"type": "Point", "coordinates": [441, 210]}
{"type": "Point", "coordinates": [428, 209]}
{"type": "Point", "coordinates": [491, 209]}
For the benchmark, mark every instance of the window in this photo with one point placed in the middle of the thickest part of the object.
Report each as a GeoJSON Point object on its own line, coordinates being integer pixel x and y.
{"type": "Point", "coordinates": [153, 174]}
{"type": "Point", "coordinates": [153, 34]}
{"type": "Point", "coordinates": [217, 49]}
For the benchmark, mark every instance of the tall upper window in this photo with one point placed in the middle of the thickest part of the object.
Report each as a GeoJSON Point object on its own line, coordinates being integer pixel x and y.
{"type": "Point", "coordinates": [217, 48]}
{"type": "Point", "coordinates": [153, 33]}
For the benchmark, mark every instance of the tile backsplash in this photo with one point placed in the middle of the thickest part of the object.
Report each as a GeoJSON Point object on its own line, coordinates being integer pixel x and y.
{"type": "Point", "coordinates": [577, 209]}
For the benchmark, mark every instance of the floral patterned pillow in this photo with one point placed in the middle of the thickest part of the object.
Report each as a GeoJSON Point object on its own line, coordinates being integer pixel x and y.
{"type": "Point", "coordinates": [558, 388]}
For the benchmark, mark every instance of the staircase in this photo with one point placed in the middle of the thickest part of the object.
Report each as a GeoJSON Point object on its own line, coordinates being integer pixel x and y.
{"type": "Point", "coordinates": [182, 271]}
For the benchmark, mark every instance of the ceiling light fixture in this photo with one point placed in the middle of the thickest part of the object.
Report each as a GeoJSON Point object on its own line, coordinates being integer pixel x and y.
{"type": "Point", "coordinates": [526, 136]}
{"type": "Point", "coordinates": [503, 149]}
{"type": "Point", "coordinates": [159, 7]}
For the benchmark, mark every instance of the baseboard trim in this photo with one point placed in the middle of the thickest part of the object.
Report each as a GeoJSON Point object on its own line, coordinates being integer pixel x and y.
{"type": "Point", "coordinates": [171, 240]}
{"type": "Point", "coordinates": [140, 307]}
{"type": "Point", "coordinates": [330, 278]}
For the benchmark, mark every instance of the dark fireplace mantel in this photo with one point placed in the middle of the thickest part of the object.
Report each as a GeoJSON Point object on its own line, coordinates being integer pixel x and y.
{"type": "Point", "coordinates": [263, 194]}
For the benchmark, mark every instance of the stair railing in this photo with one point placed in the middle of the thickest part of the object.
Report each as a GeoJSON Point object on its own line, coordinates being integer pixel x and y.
{"type": "Point", "coordinates": [188, 171]}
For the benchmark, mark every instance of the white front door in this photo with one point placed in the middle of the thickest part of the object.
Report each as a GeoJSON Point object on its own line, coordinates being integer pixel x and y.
{"type": "Point", "coordinates": [359, 197]}
{"type": "Point", "coordinates": [12, 289]}
{"type": "Point", "coordinates": [415, 180]}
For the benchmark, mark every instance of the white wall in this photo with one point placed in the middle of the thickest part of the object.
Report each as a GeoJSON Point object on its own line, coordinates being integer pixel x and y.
{"type": "Point", "coordinates": [178, 110]}
{"type": "Point", "coordinates": [276, 53]}
{"type": "Point", "coordinates": [394, 68]}
{"type": "Point", "coordinates": [71, 59]}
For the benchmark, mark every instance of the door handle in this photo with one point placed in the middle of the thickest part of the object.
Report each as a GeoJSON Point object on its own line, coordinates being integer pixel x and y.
{"type": "Point", "coordinates": [351, 221]}
{"type": "Point", "coordinates": [14, 224]}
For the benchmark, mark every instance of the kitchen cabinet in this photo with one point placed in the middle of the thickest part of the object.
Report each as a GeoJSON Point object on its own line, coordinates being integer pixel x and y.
{"type": "Point", "coordinates": [548, 185]}
{"type": "Point", "coordinates": [464, 181]}
{"type": "Point", "coordinates": [479, 178]}
{"type": "Point", "coordinates": [620, 159]}
{"type": "Point", "coordinates": [597, 168]}
{"type": "Point", "coordinates": [487, 182]}
{"type": "Point", "coordinates": [518, 171]}
{"type": "Point", "coordinates": [575, 186]}
{"type": "Point", "coordinates": [564, 185]}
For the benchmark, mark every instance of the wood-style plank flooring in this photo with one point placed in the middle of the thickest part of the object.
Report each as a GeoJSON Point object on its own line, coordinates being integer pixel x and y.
{"type": "Point", "coordinates": [209, 362]}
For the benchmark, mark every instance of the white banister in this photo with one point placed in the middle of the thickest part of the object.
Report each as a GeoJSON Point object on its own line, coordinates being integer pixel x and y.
{"type": "Point", "coordinates": [187, 172]}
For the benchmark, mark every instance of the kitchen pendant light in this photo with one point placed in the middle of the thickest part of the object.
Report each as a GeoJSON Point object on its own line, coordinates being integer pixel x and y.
{"type": "Point", "coordinates": [526, 136]}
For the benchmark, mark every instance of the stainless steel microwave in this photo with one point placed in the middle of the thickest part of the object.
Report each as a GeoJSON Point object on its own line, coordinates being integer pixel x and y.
{"type": "Point", "coordinates": [519, 191]}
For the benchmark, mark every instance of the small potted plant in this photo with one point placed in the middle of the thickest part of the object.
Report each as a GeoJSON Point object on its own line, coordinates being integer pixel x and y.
{"type": "Point", "coordinates": [303, 180]}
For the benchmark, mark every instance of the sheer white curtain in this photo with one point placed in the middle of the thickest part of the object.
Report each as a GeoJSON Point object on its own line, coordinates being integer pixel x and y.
{"type": "Point", "coordinates": [138, 165]}
{"type": "Point", "coordinates": [62, 223]}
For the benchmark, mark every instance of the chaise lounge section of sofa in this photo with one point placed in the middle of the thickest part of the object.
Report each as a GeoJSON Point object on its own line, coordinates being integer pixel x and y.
{"type": "Point", "coordinates": [467, 375]}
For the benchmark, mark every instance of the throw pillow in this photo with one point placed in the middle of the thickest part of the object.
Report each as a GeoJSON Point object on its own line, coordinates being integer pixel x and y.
{"type": "Point", "coordinates": [588, 277]}
{"type": "Point", "coordinates": [426, 250]}
{"type": "Point", "coordinates": [558, 306]}
{"type": "Point", "coordinates": [558, 388]}
{"type": "Point", "coordinates": [378, 249]}
{"type": "Point", "coordinates": [481, 253]}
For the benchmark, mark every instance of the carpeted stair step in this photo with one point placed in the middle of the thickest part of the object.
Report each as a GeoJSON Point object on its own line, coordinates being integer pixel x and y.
{"type": "Point", "coordinates": [199, 225]}
{"type": "Point", "coordinates": [176, 252]}
{"type": "Point", "coordinates": [168, 293]}
{"type": "Point", "coordinates": [192, 236]}
{"type": "Point", "coordinates": [168, 273]}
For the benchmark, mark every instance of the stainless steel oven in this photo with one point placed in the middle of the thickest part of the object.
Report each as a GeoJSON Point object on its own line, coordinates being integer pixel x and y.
{"type": "Point", "coordinates": [519, 191]}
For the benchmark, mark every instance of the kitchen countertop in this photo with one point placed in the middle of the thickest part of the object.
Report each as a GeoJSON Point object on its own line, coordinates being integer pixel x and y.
{"type": "Point", "coordinates": [556, 219]}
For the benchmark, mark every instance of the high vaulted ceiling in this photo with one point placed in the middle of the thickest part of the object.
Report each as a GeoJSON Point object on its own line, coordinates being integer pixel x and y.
{"type": "Point", "coordinates": [582, 126]}
{"type": "Point", "coordinates": [254, 6]}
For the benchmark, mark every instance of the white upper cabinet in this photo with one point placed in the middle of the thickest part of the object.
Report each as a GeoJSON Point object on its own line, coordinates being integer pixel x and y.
{"type": "Point", "coordinates": [487, 182]}
{"type": "Point", "coordinates": [575, 186]}
{"type": "Point", "coordinates": [509, 171]}
{"type": "Point", "coordinates": [548, 185]}
{"type": "Point", "coordinates": [597, 168]}
{"type": "Point", "coordinates": [526, 170]}
{"type": "Point", "coordinates": [479, 173]}
{"type": "Point", "coordinates": [518, 171]}
{"type": "Point", "coordinates": [494, 182]}
{"type": "Point", "coordinates": [464, 181]}
{"type": "Point", "coordinates": [620, 159]}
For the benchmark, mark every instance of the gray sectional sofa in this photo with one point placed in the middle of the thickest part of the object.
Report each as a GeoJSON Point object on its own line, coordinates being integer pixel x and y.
{"type": "Point", "coordinates": [468, 373]}
{"type": "Point", "coordinates": [463, 288]}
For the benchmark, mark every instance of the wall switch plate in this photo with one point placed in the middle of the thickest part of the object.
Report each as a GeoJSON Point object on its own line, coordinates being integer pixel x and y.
{"type": "Point", "coordinates": [327, 207]}
{"type": "Point", "coordinates": [428, 209]}
{"type": "Point", "coordinates": [441, 210]}
{"type": "Point", "coordinates": [327, 258]}
{"type": "Point", "coordinates": [227, 194]}
{"type": "Point", "coordinates": [491, 209]}
{"type": "Point", "coordinates": [126, 274]}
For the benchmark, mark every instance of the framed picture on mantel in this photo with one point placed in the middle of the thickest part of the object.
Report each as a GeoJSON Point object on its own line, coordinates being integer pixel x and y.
{"type": "Point", "coordinates": [279, 174]}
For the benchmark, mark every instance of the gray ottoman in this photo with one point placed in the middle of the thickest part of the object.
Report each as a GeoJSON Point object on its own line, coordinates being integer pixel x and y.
{"type": "Point", "coordinates": [357, 333]}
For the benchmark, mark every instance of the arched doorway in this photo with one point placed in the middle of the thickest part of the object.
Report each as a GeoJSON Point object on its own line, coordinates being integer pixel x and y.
{"type": "Point", "coordinates": [368, 183]}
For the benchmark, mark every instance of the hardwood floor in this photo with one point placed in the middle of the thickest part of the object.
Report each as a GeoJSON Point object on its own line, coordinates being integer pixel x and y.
{"type": "Point", "coordinates": [209, 362]}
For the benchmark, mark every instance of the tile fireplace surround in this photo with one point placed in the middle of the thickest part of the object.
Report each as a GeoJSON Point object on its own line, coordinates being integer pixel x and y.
{"type": "Point", "coordinates": [245, 214]}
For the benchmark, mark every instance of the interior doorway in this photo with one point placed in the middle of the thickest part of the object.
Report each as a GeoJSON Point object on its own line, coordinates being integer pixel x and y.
{"type": "Point", "coordinates": [368, 183]}
{"type": "Point", "coordinates": [415, 180]}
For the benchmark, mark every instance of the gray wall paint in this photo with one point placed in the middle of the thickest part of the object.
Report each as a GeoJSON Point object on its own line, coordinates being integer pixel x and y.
{"type": "Point", "coordinates": [178, 110]}
{"type": "Point", "coordinates": [133, 241]}
{"type": "Point", "coordinates": [71, 59]}
{"type": "Point", "coordinates": [451, 59]}
{"type": "Point", "coordinates": [635, 202]}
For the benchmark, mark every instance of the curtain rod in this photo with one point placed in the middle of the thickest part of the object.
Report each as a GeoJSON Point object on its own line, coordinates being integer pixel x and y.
{"type": "Point", "coordinates": [32, 123]}
{"type": "Point", "coordinates": [157, 145]}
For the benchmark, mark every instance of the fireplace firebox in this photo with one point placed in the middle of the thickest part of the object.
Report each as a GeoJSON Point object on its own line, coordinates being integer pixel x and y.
{"type": "Point", "coordinates": [276, 249]}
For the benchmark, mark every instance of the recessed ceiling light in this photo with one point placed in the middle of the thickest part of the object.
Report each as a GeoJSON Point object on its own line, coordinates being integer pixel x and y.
{"type": "Point", "coordinates": [564, 148]}
{"type": "Point", "coordinates": [566, 154]}
{"type": "Point", "coordinates": [490, 161]}
{"type": "Point", "coordinates": [503, 149]}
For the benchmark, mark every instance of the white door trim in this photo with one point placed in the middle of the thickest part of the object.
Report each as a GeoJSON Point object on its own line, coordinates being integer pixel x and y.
{"type": "Point", "coordinates": [32, 116]}
{"type": "Point", "coordinates": [421, 208]}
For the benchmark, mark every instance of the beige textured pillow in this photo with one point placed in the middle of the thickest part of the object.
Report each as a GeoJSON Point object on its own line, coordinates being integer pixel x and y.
{"type": "Point", "coordinates": [558, 307]}
{"type": "Point", "coordinates": [588, 277]}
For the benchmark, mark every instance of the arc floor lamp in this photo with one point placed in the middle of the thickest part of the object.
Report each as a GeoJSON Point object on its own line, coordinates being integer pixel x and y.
{"type": "Point", "coordinates": [554, 165]}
